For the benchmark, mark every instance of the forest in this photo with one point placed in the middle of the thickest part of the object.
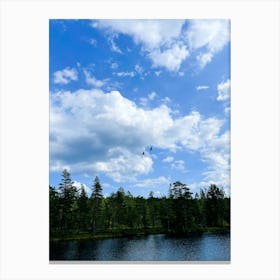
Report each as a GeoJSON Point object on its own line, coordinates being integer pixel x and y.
{"type": "Point", "coordinates": [73, 214]}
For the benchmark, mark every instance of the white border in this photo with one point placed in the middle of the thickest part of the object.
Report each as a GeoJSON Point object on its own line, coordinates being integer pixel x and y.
{"type": "Point", "coordinates": [254, 130]}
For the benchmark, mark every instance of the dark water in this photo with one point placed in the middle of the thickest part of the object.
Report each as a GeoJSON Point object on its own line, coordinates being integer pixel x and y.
{"type": "Point", "coordinates": [157, 247]}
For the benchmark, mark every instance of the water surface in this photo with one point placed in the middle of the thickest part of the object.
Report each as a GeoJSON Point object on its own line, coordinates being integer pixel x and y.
{"type": "Point", "coordinates": [156, 247]}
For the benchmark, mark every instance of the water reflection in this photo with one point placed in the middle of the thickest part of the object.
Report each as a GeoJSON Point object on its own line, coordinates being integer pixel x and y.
{"type": "Point", "coordinates": [159, 247]}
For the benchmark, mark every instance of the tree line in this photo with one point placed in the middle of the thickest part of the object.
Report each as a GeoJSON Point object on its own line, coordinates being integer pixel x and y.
{"type": "Point", "coordinates": [73, 212]}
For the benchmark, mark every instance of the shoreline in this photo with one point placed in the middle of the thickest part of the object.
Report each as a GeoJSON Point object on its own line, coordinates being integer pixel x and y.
{"type": "Point", "coordinates": [133, 233]}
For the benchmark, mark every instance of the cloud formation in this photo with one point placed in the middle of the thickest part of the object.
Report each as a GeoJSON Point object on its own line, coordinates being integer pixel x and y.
{"type": "Point", "coordinates": [65, 76]}
{"type": "Point", "coordinates": [158, 38]}
{"type": "Point", "coordinates": [202, 87]}
{"type": "Point", "coordinates": [169, 42]}
{"type": "Point", "coordinates": [168, 159]}
{"type": "Point", "coordinates": [179, 165]}
{"type": "Point", "coordinates": [92, 81]}
{"type": "Point", "coordinates": [170, 58]}
{"type": "Point", "coordinates": [152, 182]}
{"type": "Point", "coordinates": [209, 37]}
{"type": "Point", "coordinates": [223, 91]}
{"type": "Point", "coordinates": [93, 131]}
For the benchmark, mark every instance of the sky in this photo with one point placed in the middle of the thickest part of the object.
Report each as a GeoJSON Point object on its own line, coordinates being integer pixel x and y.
{"type": "Point", "coordinates": [140, 103]}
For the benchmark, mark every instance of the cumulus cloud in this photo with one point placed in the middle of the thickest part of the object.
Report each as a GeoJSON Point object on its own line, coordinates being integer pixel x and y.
{"type": "Point", "coordinates": [79, 185]}
{"type": "Point", "coordinates": [156, 38]}
{"type": "Point", "coordinates": [151, 33]}
{"type": "Point", "coordinates": [170, 58]}
{"type": "Point", "coordinates": [65, 76]}
{"type": "Point", "coordinates": [167, 42]}
{"type": "Point", "coordinates": [92, 132]}
{"type": "Point", "coordinates": [223, 91]}
{"type": "Point", "coordinates": [209, 36]}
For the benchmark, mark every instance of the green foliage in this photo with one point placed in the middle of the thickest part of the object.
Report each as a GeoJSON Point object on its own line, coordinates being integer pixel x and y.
{"type": "Point", "coordinates": [67, 205]}
{"type": "Point", "coordinates": [215, 206]}
{"type": "Point", "coordinates": [73, 213]}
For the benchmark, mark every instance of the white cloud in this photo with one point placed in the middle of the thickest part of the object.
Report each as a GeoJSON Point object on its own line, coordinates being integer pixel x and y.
{"type": "Point", "coordinates": [123, 165]}
{"type": "Point", "coordinates": [218, 155]}
{"type": "Point", "coordinates": [223, 91]}
{"type": "Point", "coordinates": [65, 76]}
{"type": "Point", "coordinates": [227, 110]}
{"type": "Point", "coordinates": [92, 132]}
{"type": "Point", "coordinates": [158, 38]}
{"type": "Point", "coordinates": [166, 43]}
{"type": "Point", "coordinates": [114, 46]}
{"type": "Point", "coordinates": [170, 58]}
{"type": "Point", "coordinates": [204, 58]}
{"type": "Point", "coordinates": [208, 35]}
{"type": "Point", "coordinates": [158, 73]}
{"type": "Point", "coordinates": [144, 101]}
{"type": "Point", "coordinates": [151, 33]}
{"type": "Point", "coordinates": [168, 159]}
{"type": "Point", "coordinates": [202, 87]}
{"type": "Point", "coordinates": [213, 34]}
{"type": "Point", "coordinates": [91, 80]}
{"type": "Point", "coordinates": [153, 182]}
{"type": "Point", "coordinates": [79, 185]}
{"type": "Point", "coordinates": [166, 99]}
{"type": "Point", "coordinates": [125, 74]}
{"type": "Point", "coordinates": [178, 165]}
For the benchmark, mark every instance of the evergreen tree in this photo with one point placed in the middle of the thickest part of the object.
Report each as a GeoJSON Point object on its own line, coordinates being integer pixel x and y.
{"type": "Point", "coordinates": [68, 193]}
{"type": "Point", "coordinates": [181, 206]}
{"type": "Point", "coordinates": [121, 213]}
{"type": "Point", "coordinates": [54, 210]}
{"type": "Point", "coordinates": [214, 206]}
{"type": "Point", "coordinates": [96, 205]}
{"type": "Point", "coordinates": [83, 209]}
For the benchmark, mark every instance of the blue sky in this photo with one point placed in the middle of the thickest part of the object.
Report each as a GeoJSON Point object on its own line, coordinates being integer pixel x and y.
{"type": "Point", "coordinates": [118, 87]}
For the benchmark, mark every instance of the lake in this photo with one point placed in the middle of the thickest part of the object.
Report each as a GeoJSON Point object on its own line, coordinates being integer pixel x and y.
{"type": "Point", "coordinates": [155, 247]}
